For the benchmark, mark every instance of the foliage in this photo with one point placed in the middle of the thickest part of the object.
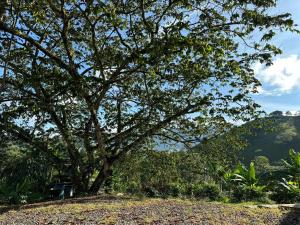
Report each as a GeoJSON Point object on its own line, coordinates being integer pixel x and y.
{"type": "Point", "coordinates": [243, 184]}
{"type": "Point", "coordinates": [262, 164]}
{"type": "Point", "coordinates": [22, 193]}
{"type": "Point", "coordinates": [157, 173]}
{"type": "Point", "coordinates": [273, 143]}
{"type": "Point", "coordinates": [249, 193]}
{"type": "Point", "coordinates": [293, 166]}
{"type": "Point", "coordinates": [19, 163]}
{"type": "Point", "coordinates": [14, 196]}
{"type": "Point", "coordinates": [243, 176]}
{"type": "Point", "coordinates": [24, 174]}
{"type": "Point", "coordinates": [176, 190]}
{"type": "Point", "coordinates": [168, 174]}
{"type": "Point", "coordinates": [286, 192]}
{"type": "Point", "coordinates": [207, 190]}
{"type": "Point", "coordinates": [276, 113]}
{"type": "Point", "coordinates": [223, 148]}
{"type": "Point", "coordinates": [101, 78]}
{"type": "Point", "coordinates": [163, 174]}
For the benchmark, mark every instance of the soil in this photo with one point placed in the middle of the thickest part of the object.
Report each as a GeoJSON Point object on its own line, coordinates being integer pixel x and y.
{"type": "Point", "coordinates": [116, 210]}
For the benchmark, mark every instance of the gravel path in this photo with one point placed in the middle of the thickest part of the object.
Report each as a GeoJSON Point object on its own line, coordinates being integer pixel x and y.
{"type": "Point", "coordinates": [98, 210]}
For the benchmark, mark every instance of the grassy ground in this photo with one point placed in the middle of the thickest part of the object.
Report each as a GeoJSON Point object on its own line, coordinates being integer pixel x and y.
{"type": "Point", "coordinates": [109, 210]}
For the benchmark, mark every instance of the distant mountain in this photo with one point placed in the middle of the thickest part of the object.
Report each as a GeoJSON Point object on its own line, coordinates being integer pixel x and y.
{"type": "Point", "coordinates": [274, 143]}
{"type": "Point", "coordinates": [279, 132]}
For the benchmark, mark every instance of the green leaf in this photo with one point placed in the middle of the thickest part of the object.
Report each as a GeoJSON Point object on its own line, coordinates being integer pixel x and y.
{"type": "Point", "coordinates": [252, 174]}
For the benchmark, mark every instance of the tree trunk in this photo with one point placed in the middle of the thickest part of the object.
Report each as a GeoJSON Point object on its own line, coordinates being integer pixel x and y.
{"type": "Point", "coordinates": [104, 173]}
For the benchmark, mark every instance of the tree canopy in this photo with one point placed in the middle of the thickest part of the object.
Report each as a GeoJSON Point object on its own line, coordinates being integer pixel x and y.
{"type": "Point", "coordinates": [85, 82]}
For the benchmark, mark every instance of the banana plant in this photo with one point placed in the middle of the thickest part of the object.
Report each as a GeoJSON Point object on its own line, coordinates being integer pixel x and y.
{"type": "Point", "coordinates": [293, 165]}
{"type": "Point", "coordinates": [242, 175]}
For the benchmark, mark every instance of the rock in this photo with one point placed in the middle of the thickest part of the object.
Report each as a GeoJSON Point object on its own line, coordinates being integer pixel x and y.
{"type": "Point", "coordinates": [268, 206]}
{"type": "Point", "coordinates": [290, 206]}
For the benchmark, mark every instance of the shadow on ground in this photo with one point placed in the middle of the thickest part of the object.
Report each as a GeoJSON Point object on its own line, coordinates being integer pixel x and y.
{"type": "Point", "coordinates": [291, 217]}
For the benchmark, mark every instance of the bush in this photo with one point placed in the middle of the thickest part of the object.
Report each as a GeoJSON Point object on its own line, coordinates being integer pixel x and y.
{"type": "Point", "coordinates": [286, 192]}
{"type": "Point", "coordinates": [176, 189]}
{"type": "Point", "coordinates": [249, 193]}
{"type": "Point", "coordinates": [211, 191]}
{"type": "Point", "coordinates": [151, 192]}
{"type": "Point", "coordinates": [189, 190]}
{"type": "Point", "coordinates": [225, 199]}
{"type": "Point", "coordinates": [19, 194]}
{"type": "Point", "coordinates": [286, 196]}
{"type": "Point", "coordinates": [133, 187]}
{"type": "Point", "coordinates": [16, 198]}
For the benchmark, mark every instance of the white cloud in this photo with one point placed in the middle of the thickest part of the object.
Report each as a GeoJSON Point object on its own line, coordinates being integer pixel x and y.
{"type": "Point", "coordinates": [282, 77]}
{"type": "Point", "coordinates": [273, 92]}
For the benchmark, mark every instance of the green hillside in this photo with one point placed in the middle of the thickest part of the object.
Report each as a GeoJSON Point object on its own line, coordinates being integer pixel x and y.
{"type": "Point", "coordinates": [274, 143]}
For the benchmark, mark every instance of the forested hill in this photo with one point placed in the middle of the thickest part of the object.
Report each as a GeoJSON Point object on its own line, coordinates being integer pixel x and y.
{"type": "Point", "coordinates": [274, 144]}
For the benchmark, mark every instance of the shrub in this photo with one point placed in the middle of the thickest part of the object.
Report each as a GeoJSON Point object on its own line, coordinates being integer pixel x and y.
{"type": "Point", "coordinates": [189, 190]}
{"type": "Point", "coordinates": [16, 198]}
{"type": "Point", "coordinates": [293, 166]}
{"type": "Point", "coordinates": [249, 193]}
{"type": "Point", "coordinates": [207, 190]}
{"type": "Point", "coordinates": [286, 192]}
{"type": "Point", "coordinates": [176, 189]}
{"type": "Point", "coordinates": [225, 199]}
{"type": "Point", "coordinates": [151, 192]}
{"type": "Point", "coordinates": [133, 187]}
{"type": "Point", "coordinates": [20, 193]}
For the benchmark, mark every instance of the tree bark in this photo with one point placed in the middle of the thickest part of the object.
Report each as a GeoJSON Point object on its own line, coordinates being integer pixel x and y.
{"type": "Point", "coordinates": [104, 173]}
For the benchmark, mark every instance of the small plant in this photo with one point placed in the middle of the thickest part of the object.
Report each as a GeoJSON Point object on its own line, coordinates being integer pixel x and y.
{"type": "Point", "coordinates": [293, 166]}
{"type": "Point", "coordinates": [241, 176]}
{"type": "Point", "coordinates": [286, 192]}
{"type": "Point", "coordinates": [249, 193]}
{"type": "Point", "coordinates": [243, 184]}
{"type": "Point", "coordinates": [17, 198]}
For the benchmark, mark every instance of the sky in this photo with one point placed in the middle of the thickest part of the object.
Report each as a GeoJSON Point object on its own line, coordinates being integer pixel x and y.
{"type": "Point", "coordinates": [281, 82]}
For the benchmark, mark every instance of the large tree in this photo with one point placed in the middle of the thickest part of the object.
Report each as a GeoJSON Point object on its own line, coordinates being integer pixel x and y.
{"type": "Point", "coordinates": [85, 82]}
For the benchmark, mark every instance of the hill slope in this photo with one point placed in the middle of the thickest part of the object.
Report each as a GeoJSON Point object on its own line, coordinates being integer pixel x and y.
{"type": "Point", "coordinates": [274, 144]}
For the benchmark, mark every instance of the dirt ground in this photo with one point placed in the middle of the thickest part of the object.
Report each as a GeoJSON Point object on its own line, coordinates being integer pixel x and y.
{"type": "Point", "coordinates": [112, 210]}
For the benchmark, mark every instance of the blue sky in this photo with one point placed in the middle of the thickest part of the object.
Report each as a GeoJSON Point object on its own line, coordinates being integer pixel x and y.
{"type": "Point", "coordinates": [281, 81]}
